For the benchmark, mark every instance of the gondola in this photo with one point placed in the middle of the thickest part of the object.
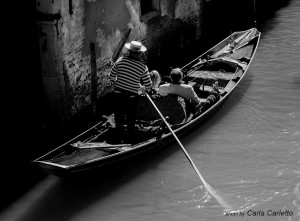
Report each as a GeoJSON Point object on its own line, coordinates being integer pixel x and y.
{"type": "Point", "coordinates": [97, 149]}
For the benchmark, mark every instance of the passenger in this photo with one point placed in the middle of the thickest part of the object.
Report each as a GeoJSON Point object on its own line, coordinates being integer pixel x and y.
{"type": "Point", "coordinates": [187, 91]}
{"type": "Point", "coordinates": [126, 74]}
{"type": "Point", "coordinates": [177, 87]}
{"type": "Point", "coordinates": [156, 79]}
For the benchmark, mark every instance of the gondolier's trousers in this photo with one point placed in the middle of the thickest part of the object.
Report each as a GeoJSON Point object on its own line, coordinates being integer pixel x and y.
{"type": "Point", "coordinates": [125, 111]}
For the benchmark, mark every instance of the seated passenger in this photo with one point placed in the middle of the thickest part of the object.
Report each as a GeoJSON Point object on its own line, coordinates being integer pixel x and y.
{"type": "Point", "coordinates": [177, 87]}
{"type": "Point", "coordinates": [173, 106]}
{"type": "Point", "coordinates": [156, 79]}
{"type": "Point", "coordinates": [187, 91]}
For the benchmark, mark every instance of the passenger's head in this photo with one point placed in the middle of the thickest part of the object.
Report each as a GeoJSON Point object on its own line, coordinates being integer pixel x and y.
{"type": "Point", "coordinates": [176, 75]}
{"type": "Point", "coordinates": [155, 78]}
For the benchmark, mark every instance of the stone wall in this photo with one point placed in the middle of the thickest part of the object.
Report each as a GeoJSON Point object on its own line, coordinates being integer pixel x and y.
{"type": "Point", "coordinates": [174, 31]}
{"type": "Point", "coordinates": [67, 27]}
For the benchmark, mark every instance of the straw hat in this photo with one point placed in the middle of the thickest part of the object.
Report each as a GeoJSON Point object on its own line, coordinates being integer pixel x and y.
{"type": "Point", "coordinates": [135, 46]}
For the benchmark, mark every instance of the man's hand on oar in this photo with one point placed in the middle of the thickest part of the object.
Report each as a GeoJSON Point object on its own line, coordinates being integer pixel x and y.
{"type": "Point", "coordinates": [142, 90]}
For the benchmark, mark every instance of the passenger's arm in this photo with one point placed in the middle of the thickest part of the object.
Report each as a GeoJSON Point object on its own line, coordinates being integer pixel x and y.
{"type": "Point", "coordinates": [194, 97]}
{"type": "Point", "coordinates": [162, 90]}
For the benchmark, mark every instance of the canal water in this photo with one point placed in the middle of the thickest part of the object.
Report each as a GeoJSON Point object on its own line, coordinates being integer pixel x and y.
{"type": "Point", "coordinates": [249, 153]}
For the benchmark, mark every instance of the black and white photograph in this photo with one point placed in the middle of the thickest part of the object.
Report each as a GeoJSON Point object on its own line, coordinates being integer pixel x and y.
{"type": "Point", "coordinates": [151, 110]}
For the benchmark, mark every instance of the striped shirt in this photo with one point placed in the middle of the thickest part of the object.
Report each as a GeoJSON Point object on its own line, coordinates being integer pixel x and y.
{"type": "Point", "coordinates": [127, 74]}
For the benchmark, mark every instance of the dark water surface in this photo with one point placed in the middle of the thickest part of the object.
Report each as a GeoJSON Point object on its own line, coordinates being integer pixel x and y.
{"type": "Point", "coordinates": [249, 153]}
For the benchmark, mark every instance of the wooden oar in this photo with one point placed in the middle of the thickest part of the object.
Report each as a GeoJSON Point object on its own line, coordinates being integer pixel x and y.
{"type": "Point", "coordinates": [206, 185]}
{"type": "Point", "coordinates": [120, 46]}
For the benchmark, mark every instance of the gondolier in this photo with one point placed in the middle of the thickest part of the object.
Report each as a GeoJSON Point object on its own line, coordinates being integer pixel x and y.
{"type": "Point", "coordinates": [127, 73]}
